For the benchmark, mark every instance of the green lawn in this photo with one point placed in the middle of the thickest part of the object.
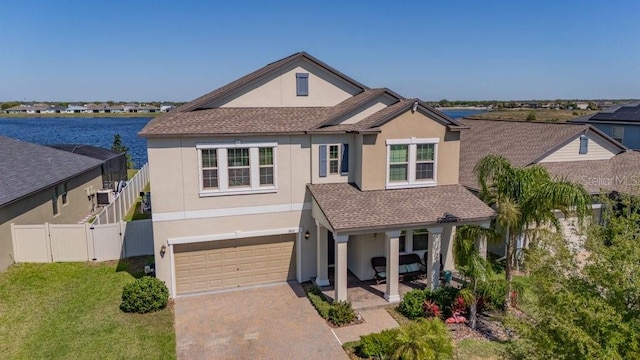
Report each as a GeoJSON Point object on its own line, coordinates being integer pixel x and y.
{"type": "Point", "coordinates": [478, 349]}
{"type": "Point", "coordinates": [135, 213]}
{"type": "Point", "coordinates": [71, 311]}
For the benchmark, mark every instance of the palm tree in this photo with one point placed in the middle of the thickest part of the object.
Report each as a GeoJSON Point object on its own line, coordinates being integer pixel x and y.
{"type": "Point", "coordinates": [472, 265]}
{"type": "Point", "coordinates": [525, 200]}
{"type": "Point", "coordinates": [423, 340]}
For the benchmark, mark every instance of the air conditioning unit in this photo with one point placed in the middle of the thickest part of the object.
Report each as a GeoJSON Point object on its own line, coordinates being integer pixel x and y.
{"type": "Point", "coordinates": [104, 197]}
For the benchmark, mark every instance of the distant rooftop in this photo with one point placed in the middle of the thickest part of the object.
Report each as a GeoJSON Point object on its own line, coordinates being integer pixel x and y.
{"type": "Point", "coordinates": [626, 113]}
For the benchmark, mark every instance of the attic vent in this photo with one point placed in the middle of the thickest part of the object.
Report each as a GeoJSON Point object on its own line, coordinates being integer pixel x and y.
{"type": "Point", "coordinates": [584, 144]}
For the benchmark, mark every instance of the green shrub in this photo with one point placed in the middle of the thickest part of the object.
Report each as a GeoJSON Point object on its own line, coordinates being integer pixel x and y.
{"type": "Point", "coordinates": [377, 345]}
{"type": "Point", "coordinates": [321, 305]}
{"type": "Point", "coordinates": [144, 295]}
{"type": "Point", "coordinates": [444, 297]}
{"type": "Point", "coordinates": [423, 339]}
{"type": "Point", "coordinates": [411, 305]}
{"type": "Point", "coordinates": [341, 313]}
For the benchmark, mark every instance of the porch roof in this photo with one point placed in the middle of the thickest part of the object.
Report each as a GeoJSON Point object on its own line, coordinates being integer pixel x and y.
{"type": "Point", "coordinates": [348, 209]}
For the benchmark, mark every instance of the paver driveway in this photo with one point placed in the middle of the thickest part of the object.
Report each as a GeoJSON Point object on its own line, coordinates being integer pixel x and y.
{"type": "Point", "coordinates": [273, 322]}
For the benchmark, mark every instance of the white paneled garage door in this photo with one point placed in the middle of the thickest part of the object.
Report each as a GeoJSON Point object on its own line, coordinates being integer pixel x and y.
{"type": "Point", "coordinates": [225, 264]}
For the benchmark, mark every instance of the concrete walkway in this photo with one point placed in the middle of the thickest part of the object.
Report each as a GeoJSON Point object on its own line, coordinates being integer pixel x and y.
{"type": "Point", "coordinates": [375, 320]}
{"type": "Point", "coordinates": [273, 322]}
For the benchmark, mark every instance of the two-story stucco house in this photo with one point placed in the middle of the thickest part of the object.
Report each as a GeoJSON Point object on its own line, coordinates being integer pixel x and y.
{"type": "Point", "coordinates": [297, 167]}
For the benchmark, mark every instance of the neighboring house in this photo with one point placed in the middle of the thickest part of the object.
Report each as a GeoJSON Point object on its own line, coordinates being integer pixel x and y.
{"type": "Point", "coordinates": [115, 109]}
{"type": "Point", "coordinates": [167, 108]}
{"type": "Point", "coordinates": [130, 108]}
{"type": "Point", "coordinates": [296, 166]}
{"type": "Point", "coordinates": [622, 123]}
{"type": "Point", "coordinates": [114, 164]}
{"type": "Point", "coordinates": [582, 105]}
{"type": "Point", "coordinates": [148, 108]}
{"type": "Point", "coordinates": [39, 184]}
{"type": "Point", "coordinates": [18, 109]}
{"type": "Point", "coordinates": [75, 109]}
{"type": "Point", "coordinates": [577, 152]}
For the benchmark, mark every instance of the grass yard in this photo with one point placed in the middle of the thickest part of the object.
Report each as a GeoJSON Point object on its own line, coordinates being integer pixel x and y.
{"type": "Point", "coordinates": [471, 349]}
{"type": "Point", "coordinates": [135, 213]}
{"type": "Point", "coordinates": [71, 311]}
{"type": "Point", "coordinates": [540, 114]}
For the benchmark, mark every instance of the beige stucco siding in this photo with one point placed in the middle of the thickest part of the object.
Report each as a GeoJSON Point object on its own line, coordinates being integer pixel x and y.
{"type": "Point", "coordinates": [174, 172]}
{"type": "Point", "coordinates": [408, 125]}
{"type": "Point", "coordinates": [598, 149]}
{"type": "Point", "coordinates": [279, 89]}
{"type": "Point", "coordinates": [38, 209]}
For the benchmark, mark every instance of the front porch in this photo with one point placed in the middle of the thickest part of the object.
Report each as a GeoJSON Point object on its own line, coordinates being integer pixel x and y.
{"type": "Point", "coordinates": [362, 225]}
{"type": "Point", "coordinates": [368, 294]}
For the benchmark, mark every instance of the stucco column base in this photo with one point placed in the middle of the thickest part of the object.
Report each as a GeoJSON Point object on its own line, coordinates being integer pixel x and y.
{"type": "Point", "coordinates": [322, 282]}
{"type": "Point", "coordinates": [392, 298]}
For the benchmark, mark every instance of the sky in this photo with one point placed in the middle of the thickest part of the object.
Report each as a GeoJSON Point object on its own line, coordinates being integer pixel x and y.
{"type": "Point", "coordinates": [161, 50]}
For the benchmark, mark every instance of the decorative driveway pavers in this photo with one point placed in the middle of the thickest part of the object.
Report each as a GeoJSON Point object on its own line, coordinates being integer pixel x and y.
{"type": "Point", "coordinates": [273, 322]}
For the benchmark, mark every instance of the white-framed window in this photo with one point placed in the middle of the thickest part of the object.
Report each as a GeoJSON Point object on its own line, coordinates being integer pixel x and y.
{"type": "Point", "coordinates": [411, 162]}
{"type": "Point", "coordinates": [237, 168]}
{"type": "Point", "coordinates": [617, 133]}
{"type": "Point", "coordinates": [334, 159]}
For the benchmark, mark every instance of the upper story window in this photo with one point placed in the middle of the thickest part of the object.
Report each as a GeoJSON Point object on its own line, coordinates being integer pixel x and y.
{"type": "Point", "coordinates": [411, 162]}
{"type": "Point", "coordinates": [302, 84]}
{"type": "Point", "coordinates": [617, 133]}
{"type": "Point", "coordinates": [333, 159]}
{"type": "Point", "coordinates": [237, 168]}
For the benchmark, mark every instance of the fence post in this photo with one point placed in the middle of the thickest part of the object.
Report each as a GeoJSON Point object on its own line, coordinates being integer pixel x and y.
{"type": "Point", "coordinates": [47, 239]}
{"type": "Point", "coordinates": [123, 231]}
{"type": "Point", "coordinates": [86, 239]}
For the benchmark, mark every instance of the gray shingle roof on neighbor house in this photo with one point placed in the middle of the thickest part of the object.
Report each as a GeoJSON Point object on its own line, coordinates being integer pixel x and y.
{"type": "Point", "coordinates": [349, 209]}
{"type": "Point", "coordinates": [28, 168]}
{"type": "Point", "coordinates": [621, 114]}
{"type": "Point", "coordinates": [525, 143]}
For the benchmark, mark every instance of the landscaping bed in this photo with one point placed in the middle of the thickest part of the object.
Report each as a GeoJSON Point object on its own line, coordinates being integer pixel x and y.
{"type": "Point", "coordinates": [337, 313]}
{"type": "Point", "coordinates": [71, 310]}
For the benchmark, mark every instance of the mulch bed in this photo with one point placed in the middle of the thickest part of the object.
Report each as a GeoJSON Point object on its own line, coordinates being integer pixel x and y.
{"type": "Point", "coordinates": [487, 329]}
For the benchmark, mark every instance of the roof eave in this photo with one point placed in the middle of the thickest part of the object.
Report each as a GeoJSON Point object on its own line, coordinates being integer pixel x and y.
{"type": "Point", "coordinates": [391, 227]}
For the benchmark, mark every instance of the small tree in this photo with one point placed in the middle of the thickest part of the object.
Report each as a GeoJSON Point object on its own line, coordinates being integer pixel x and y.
{"type": "Point", "coordinates": [423, 339]}
{"type": "Point", "coordinates": [119, 147]}
{"type": "Point", "coordinates": [531, 116]}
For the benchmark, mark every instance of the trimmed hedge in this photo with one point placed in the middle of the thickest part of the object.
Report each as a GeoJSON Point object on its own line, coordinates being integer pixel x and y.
{"type": "Point", "coordinates": [338, 313]}
{"type": "Point", "coordinates": [144, 295]}
{"type": "Point", "coordinates": [411, 305]}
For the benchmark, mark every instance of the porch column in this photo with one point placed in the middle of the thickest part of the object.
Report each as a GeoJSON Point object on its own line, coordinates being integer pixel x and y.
{"type": "Point", "coordinates": [391, 240]}
{"type": "Point", "coordinates": [448, 237]}
{"type": "Point", "coordinates": [433, 260]}
{"type": "Point", "coordinates": [340, 267]}
{"type": "Point", "coordinates": [322, 264]}
{"type": "Point", "coordinates": [481, 242]}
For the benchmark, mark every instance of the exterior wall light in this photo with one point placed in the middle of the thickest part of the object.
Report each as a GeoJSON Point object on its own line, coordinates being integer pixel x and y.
{"type": "Point", "coordinates": [163, 250]}
{"type": "Point", "coordinates": [307, 235]}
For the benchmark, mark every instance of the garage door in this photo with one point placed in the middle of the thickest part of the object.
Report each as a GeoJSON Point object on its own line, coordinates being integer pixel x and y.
{"type": "Point", "coordinates": [225, 264]}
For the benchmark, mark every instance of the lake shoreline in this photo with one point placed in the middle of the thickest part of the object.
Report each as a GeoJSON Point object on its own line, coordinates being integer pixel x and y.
{"type": "Point", "coordinates": [82, 115]}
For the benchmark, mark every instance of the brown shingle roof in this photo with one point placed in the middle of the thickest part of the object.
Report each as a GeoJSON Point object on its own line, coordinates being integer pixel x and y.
{"type": "Point", "coordinates": [621, 173]}
{"type": "Point", "coordinates": [349, 209]}
{"type": "Point", "coordinates": [222, 121]}
{"type": "Point", "coordinates": [522, 143]}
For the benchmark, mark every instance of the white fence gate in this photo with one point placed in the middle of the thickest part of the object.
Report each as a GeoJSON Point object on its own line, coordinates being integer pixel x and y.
{"type": "Point", "coordinates": [81, 242]}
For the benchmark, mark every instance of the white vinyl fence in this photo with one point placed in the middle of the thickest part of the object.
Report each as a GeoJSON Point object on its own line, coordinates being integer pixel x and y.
{"type": "Point", "coordinates": [125, 199]}
{"type": "Point", "coordinates": [81, 242]}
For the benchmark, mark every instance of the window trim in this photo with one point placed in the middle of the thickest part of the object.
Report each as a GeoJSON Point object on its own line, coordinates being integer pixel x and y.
{"type": "Point", "coordinates": [223, 171]}
{"type": "Point", "coordinates": [299, 77]}
{"type": "Point", "coordinates": [412, 182]}
{"type": "Point", "coordinates": [338, 159]}
{"type": "Point", "coordinates": [584, 145]}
